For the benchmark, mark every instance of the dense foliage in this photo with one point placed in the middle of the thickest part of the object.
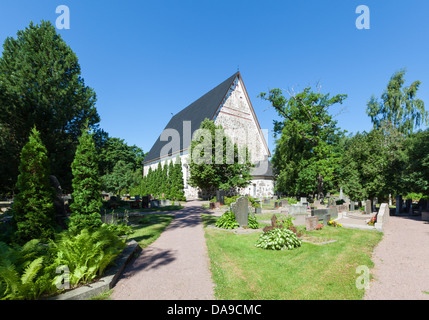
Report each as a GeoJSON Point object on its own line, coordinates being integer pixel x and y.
{"type": "Point", "coordinates": [41, 84]}
{"type": "Point", "coordinates": [33, 207]}
{"type": "Point", "coordinates": [305, 157]}
{"type": "Point", "coordinates": [30, 271]}
{"type": "Point", "coordinates": [225, 168]}
{"type": "Point", "coordinates": [86, 196]}
{"type": "Point", "coordinates": [165, 182]}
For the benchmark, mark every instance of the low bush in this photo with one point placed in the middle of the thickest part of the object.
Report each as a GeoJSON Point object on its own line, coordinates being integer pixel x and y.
{"type": "Point", "coordinates": [278, 239]}
{"type": "Point", "coordinates": [86, 254]}
{"type": "Point", "coordinates": [29, 271]}
{"type": "Point", "coordinates": [228, 221]}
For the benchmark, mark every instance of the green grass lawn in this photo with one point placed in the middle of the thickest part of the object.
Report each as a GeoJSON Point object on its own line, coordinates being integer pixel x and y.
{"type": "Point", "coordinates": [148, 228]}
{"type": "Point", "coordinates": [243, 272]}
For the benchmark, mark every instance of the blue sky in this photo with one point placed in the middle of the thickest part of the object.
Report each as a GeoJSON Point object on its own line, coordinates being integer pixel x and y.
{"type": "Point", "coordinates": [148, 59]}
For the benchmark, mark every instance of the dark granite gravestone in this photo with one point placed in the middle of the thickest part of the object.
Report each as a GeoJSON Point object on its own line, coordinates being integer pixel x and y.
{"type": "Point", "coordinates": [320, 213]}
{"type": "Point", "coordinates": [220, 196]}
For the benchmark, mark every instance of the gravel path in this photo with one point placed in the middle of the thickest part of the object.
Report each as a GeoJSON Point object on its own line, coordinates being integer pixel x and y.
{"type": "Point", "coordinates": [401, 260]}
{"type": "Point", "coordinates": [174, 267]}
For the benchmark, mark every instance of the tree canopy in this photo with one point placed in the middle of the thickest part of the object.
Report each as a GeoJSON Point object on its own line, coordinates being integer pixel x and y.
{"type": "Point", "coordinates": [225, 167]}
{"type": "Point", "coordinates": [304, 157]}
{"type": "Point", "coordinates": [41, 84]}
{"type": "Point", "coordinates": [399, 106]}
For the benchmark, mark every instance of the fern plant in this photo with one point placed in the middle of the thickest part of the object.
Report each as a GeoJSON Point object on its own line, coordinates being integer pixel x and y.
{"type": "Point", "coordinates": [86, 254]}
{"type": "Point", "coordinates": [24, 271]}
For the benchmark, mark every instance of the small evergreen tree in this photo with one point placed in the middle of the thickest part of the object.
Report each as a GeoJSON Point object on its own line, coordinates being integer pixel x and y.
{"type": "Point", "coordinates": [33, 207]}
{"type": "Point", "coordinates": [85, 209]}
{"type": "Point", "coordinates": [177, 181]}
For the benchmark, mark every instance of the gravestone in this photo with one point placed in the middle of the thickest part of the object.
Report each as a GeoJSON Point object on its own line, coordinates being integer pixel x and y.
{"type": "Point", "coordinates": [382, 216]}
{"type": "Point", "coordinates": [241, 211]}
{"type": "Point", "coordinates": [352, 206]}
{"type": "Point", "coordinates": [283, 203]}
{"type": "Point", "coordinates": [299, 219]}
{"type": "Point", "coordinates": [320, 213]}
{"type": "Point", "coordinates": [303, 200]}
{"type": "Point", "coordinates": [267, 201]}
{"type": "Point", "coordinates": [154, 203]}
{"type": "Point", "coordinates": [316, 203]}
{"type": "Point", "coordinates": [297, 209]}
{"type": "Point", "coordinates": [368, 209]}
{"type": "Point", "coordinates": [273, 224]}
{"type": "Point", "coordinates": [145, 202]}
{"type": "Point", "coordinates": [326, 219]}
{"type": "Point", "coordinates": [398, 204]}
{"type": "Point", "coordinates": [408, 205]}
{"type": "Point", "coordinates": [311, 223]}
{"type": "Point", "coordinates": [275, 198]}
{"type": "Point", "coordinates": [137, 198]}
{"type": "Point", "coordinates": [220, 196]}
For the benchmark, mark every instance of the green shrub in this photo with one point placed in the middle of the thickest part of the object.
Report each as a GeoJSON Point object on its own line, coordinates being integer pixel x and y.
{"type": "Point", "coordinates": [228, 221]}
{"type": "Point", "coordinates": [33, 207]}
{"type": "Point", "coordinates": [253, 223]}
{"type": "Point", "coordinates": [85, 208]}
{"type": "Point", "coordinates": [86, 254]}
{"type": "Point", "coordinates": [278, 239]}
{"type": "Point", "coordinates": [25, 272]}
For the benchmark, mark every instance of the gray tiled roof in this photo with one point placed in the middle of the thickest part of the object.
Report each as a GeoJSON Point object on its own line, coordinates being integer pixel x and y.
{"type": "Point", "coordinates": [196, 112]}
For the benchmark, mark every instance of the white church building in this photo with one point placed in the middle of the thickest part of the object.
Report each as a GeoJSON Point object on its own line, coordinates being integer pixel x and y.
{"type": "Point", "coordinates": [228, 105]}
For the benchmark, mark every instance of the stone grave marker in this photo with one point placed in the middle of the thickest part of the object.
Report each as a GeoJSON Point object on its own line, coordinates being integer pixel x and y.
{"type": "Point", "coordinates": [382, 216]}
{"type": "Point", "coordinates": [242, 211]}
{"type": "Point", "coordinates": [297, 209]}
{"type": "Point", "coordinates": [368, 209]}
{"type": "Point", "coordinates": [311, 223]}
{"type": "Point", "coordinates": [283, 203]}
{"type": "Point", "coordinates": [326, 219]}
{"type": "Point", "coordinates": [299, 219]}
{"type": "Point", "coordinates": [398, 204]}
{"type": "Point", "coordinates": [273, 224]}
{"type": "Point", "coordinates": [220, 196]}
{"type": "Point", "coordinates": [320, 213]}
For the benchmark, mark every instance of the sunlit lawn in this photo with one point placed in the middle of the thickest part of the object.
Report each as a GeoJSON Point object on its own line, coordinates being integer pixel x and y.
{"type": "Point", "coordinates": [242, 271]}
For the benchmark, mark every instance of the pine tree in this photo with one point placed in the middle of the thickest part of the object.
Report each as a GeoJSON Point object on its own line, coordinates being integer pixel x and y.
{"type": "Point", "coordinates": [85, 209]}
{"type": "Point", "coordinates": [41, 84]}
{"type": "Point", "coordinates": [33, 207]}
